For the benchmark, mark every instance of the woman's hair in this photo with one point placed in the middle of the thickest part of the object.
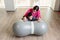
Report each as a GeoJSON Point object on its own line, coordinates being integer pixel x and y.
{"type": "Point", "coordinates": [36, 8]}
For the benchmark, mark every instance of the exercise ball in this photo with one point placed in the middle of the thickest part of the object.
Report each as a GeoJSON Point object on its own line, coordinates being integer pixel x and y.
{"type": "Point", "coordinates": [40, 28]}
{"type": "Point", "coordinates": [21, 28]}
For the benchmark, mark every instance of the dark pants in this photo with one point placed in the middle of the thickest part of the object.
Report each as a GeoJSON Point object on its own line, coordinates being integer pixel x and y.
{"type": "Point", "coordinates": [33, 19]}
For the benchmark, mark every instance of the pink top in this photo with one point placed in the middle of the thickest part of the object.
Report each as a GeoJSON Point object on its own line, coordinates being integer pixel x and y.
{"type": "Point", "coordinates": [35, 14]}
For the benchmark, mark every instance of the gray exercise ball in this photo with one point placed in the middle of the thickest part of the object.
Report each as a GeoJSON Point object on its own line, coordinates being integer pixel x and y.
{"type": "Point", "coordinates": [22, 28]}
{"type": "Point", "coordinates": [40, 28]}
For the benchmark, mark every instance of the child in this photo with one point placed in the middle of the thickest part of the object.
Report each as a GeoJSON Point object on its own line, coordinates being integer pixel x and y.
{"type": "Point", "coordinates": [33, 14]}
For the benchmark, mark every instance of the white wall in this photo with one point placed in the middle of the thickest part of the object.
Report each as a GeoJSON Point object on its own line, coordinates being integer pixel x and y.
{"type": "Point", "coordinates": [22, 3]}
{"type": "Point", "coordinates": [28, 3]}
{"type": "Point", "coordinates": [9, 5]}
{"type": "Point", "coordinates": [2, 4]}
{"type": "Point", "coordinates": [57, 5]}
{"type": "Point", "coordinates": [18, 3]}
{"type": "Point", "coordinates": [42, 2]}
{"type": "Point", "coordinates": [52, 5]}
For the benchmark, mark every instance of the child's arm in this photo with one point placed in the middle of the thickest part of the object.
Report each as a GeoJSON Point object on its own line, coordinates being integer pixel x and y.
{"type": "Point", "coordinates": [39, 15]}
{"type": "Point", "coordinates": [26, 12]}
{"type": "Point", "coordinates": [25, 15]}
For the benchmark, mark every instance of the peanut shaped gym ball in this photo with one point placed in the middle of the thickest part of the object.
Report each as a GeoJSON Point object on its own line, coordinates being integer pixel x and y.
{"type": "Point", "coordinates": [21, 28]}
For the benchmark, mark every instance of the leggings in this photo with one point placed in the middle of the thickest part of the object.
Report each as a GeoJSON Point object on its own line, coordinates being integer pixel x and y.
{"type": "Point", "coordinates": [33, 19]}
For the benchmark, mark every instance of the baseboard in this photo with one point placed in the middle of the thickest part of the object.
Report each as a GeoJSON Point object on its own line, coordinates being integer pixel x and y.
{"type": "Point", "coordinates": [55, 10]}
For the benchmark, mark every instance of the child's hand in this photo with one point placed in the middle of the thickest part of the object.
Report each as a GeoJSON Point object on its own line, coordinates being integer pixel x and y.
{"type": "Point", "coordinates": [30, 17]}
{"type": "Point", "coordinates": [24, 19]}
{"type": "Point", "coordinates": [39, 20]}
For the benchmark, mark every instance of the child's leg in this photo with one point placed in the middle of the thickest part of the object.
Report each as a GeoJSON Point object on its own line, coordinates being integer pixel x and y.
{"type": "Point", "coordinates": [29, 18]}
{"type": "Point", "coordinates": [34, 19]}
{"type": "Point", "coordinates": [24, 19]}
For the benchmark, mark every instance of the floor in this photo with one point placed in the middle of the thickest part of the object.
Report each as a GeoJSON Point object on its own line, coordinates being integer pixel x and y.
{"type": "Point", "coordinates": [7, 20]}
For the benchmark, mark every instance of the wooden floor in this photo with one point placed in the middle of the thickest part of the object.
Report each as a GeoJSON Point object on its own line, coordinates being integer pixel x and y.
{"type": "Point", "coordinates": [7, 20]}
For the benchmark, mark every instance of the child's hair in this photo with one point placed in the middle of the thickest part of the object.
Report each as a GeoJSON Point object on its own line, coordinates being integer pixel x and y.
{"type": "Point", "coordinates": [36, 8]}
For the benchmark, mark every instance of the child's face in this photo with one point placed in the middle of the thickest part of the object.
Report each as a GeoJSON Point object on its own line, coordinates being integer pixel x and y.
{"type": "Point", "coordinates": [34, 11]}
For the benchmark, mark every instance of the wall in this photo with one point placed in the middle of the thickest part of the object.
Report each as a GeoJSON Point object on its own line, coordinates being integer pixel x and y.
{"type": "Point", "coordinates": [22, 3]}
{"type": "Point", "coordinates": [52, 4]}
{"type": "Point", "coordinates": [57, 5]}
{"type": "Point", "coordinates": [18, 3]}
{"type": "Point", "coordinates": [42, 3]}
{"type": "Point", "coordinates": [2, 4]}
{"type": "Point", "coordinates": [28, 3]}
{"type": "Point", "coordinates": [9, 5]}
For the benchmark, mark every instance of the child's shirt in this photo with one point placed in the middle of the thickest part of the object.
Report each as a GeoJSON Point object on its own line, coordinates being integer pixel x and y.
{"type": "Point", "coordinates": [36, 14]}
